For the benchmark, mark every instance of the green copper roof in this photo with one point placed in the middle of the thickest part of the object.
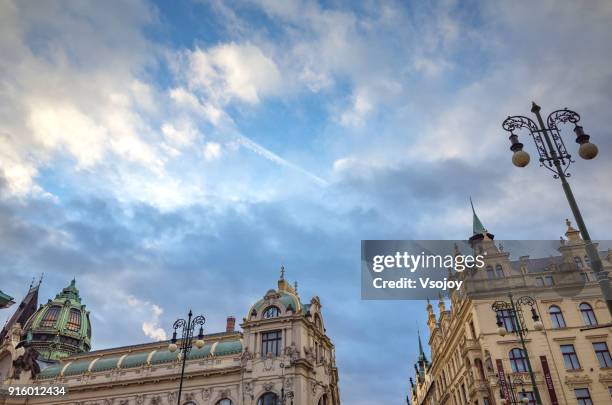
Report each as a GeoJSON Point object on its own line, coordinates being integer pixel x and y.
{"type": "Point", "coordinates": [135, 360]}
{"type": "Point", "coordinates": [69, 293]}
{"type": "Point", "coordinates": [51, 371]}
{"type": "Point", "coordinates": [105, 364]}
{"type": "Point", "coordinates": [196, 353]}
{"type": "Point", "coordinates": [5, 300]}
{"type": "Point", "coordinates": [78, 367]}
{"type": "Point", "coordinates": [164, 356]}
{"type": "Point", "coordinates": [477, 226]}
{"type": "Point", "coordinates": [228, 347]}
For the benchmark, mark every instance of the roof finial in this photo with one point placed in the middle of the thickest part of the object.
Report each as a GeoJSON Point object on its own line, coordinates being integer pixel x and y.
{"type": "Point", "coordinates": [295, 285]}
{"type": "Point", "coordinates": [282, 272]}
{"type": "Point", "coordinates": [42, 275]}
{"type": "Point", "coordinates": [477, 227]}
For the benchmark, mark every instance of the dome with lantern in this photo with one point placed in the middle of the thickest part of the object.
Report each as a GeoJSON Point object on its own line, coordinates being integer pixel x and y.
{"type": "Point", "coordinates": [61, 327]}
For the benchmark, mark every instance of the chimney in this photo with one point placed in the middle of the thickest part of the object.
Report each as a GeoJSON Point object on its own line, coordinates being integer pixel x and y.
{"type": "Point", "coordinates": [231, 323]}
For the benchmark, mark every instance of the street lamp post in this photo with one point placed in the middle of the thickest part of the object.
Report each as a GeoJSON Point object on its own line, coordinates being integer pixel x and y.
{"type": "Point", "coordinates": [514, 310]}
{"type": "Point", "coordinates": [554, 157]}
{"type": "Point", "coordinates": [514, 383]}
{"type": "Point", "coordinates": [187, 327]}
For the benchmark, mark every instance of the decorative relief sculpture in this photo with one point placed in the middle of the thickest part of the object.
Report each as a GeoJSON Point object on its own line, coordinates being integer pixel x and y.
{"type": "Point", "coordinates": [206, 392]}
{"type": "Point", "coordinates": [268, 386]}
{"type": "Point", "coordinates": [26, 362]}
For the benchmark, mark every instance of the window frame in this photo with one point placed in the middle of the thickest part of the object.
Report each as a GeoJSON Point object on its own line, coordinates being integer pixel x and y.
{"type": "Point", "coordinates": [603, 355]}
{"type": "Point", "coordinates": [49, 320]}
{"type": "Point", "coordinates": [262, 398]}
{"type": "Point", "coordinates": [518, 360]}
{"type": "Point", "coordinates": [583, 400]}
{"type": "Point", "coordinates": [74, 326]}
{"type": "Point", "coordinates": [588, 314]}
{"type": "Point", "coordinates": [271, 342]}
{"type": "Point", "coordinates": [557, 319]}
{"type": "Point", "coordinates": [570, 358]}
{"type": "Point", "coordinates": [267, 313]}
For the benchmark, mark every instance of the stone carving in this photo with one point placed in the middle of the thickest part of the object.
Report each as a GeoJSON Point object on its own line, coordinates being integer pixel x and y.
{"type": "Point", "coordinates": [26, 362]}
{"type": "Point", "coordinates": [248, 388]}
{"type": "Point", "coordinates": [124, 402]}
{"type": "Point", "coordinates": [293, 352]}
{"type": "Point", "coordinates": [269, 362]}
{"type": "Point", "coordinates": [225, 393]}
{"type": "Point", "coordinates": [108, 401]}
{"type": "Point", "coordinates": [288, 383]}
{"type": "Point", "coordinates": [206, 392]}
{"type": "Point", "coordinates": [245, 357]}
{"type": "Point", "coordinates": [268, 386]}
{"type": "Point", "coordinates": [309, 352]}
{"type": "Point", "coordinates": [313, 386]}
{"type": "Point", "coordinates": [172, 397]}
{"type": "Point", "coordinates": [156, 400]}
{"type": "Point", "coordinates": [140, 400]}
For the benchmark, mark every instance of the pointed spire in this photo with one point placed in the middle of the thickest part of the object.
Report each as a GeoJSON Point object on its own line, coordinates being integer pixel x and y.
{"type": "Point", "coordinates": [421, 353]}
{"type": "Point", "coordinates": [295, 286]}
{"type": "Point", "coordinates": [282, 272]}
{"type": "Point", "coordinates": [477, 227]}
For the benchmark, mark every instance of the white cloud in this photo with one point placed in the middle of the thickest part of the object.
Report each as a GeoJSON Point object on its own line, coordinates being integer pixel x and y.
{"type": "Point", "coordinates": [233, 71]}
{"type": "Point", "coordinates": [152, 312]}
{"type": "Point", "coordinates": [212, 151]}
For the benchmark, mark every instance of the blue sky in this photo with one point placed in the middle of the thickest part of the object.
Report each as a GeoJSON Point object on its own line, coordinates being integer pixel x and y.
{"type": "Point", "coordinates": [172, 155]}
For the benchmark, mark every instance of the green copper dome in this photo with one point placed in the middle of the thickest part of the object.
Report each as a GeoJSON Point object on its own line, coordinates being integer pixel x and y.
{"type": "Point", "coordinates": [60, 327]}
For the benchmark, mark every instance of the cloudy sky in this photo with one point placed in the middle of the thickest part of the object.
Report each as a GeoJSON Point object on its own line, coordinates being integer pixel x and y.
{"type": "Point", "coordinates": [172, 155]}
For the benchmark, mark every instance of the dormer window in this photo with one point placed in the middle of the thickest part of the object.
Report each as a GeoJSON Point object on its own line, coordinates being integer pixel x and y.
{"type": "Point", "coordinates": [74, 321]}
{"type": "Point", "coordinates": [50, 317]}
{"type": "Point", "coordinates": [271, 312]}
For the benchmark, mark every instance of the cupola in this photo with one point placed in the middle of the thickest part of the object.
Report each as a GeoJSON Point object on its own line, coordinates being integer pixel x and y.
{"type": "Point", "coordinates": [61, 327]}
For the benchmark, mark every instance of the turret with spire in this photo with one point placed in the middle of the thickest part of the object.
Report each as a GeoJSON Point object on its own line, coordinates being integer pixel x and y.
{"type": "Point", "coordinates": [479, 232]}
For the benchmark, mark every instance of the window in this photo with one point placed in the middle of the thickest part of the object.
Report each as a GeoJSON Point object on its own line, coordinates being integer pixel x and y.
{"type": "Point", "coordinates": [487, 401]}
{"type": "Point", "coordinates": [50, 317]}
{"type": "Point", "coordinates": [323, 400]}
{"type": "Point", "coordinates": [507, 319]}
{"type": "Point", "coordinates": [539, 282]}
{"type": "Point", "coordinates": [224, 401]}
{"type": "Point", "coordinates": [556, 317]}
{"type": "Point", "coordinates": [270, 343]}
{"type": "Point", "coordinates": [585, 277]}
{"type": "Point", "coordinates": [530, 396]}
{"type": "Point", "coordinates": [518, 361]}
{"type": "Point", "coordinates": [588, 316]}
{"type": "Point", "coordinates": [583, 396]}
{"type": "Point", "coordinates": [587, 261]}
{"type": "Point", "coordinates": [603, 354]}
{"type": "Point", "coordinates": [473, 330]}
{"type": "Point", "coordinates": [480, 368]}
{"type": "Point", "coordinates": [499, 272]}
{"type": "Point", "coordinates": [570, 359]}
{"type": "Point", "coordinates": [490, 273]}
{"type": "Point", "coordinates": [578, 262]}
{"type": "Point", "coordinates": [74, 320]}
{"type": "Point", "coordinates": [269, 398]}
{"type": "Point", "coordinates": [271, 312]}
{"type": "Point", "coordinates": [549, 280]}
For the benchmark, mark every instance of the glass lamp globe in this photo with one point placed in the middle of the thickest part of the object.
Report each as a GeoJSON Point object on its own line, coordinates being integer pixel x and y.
{"type": "Point", "coordinates": [501, 331]}
{"type": "Point", "coordinates": [172, 347]}
{"type": "Point", "coordinates": [520, 158]}
{"type": "Point", "coordinates": [588, 150]}
{"type": "Point", "coordinates": [538, 325]}
{"type": "Point", "coordinates": [199, 343]}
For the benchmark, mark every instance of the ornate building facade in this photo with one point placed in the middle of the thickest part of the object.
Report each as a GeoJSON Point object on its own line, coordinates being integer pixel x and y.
{"type": "Point", "coordinates": [471, 363]}
{"type": "Point", "coordinates": [282, 356]}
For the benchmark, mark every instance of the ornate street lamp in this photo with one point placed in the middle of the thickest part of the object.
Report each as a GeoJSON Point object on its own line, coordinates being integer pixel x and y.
{"type": "Point", "coordinates": [187, 327]}
{"type": "Point", "coordinates": [554, 157]}
{"type": "Point", "coordinates": [514, 311]}
{"type": "Point", "coordinates": [515, 398]}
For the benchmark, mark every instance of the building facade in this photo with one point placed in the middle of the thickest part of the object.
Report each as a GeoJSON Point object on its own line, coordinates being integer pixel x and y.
{"type": "Point", "coordinates": [282, 355]}
{"type": "Point", "coordinates": [471, 363]}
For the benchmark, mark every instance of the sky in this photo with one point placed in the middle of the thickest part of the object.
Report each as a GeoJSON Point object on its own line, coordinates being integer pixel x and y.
{"type": "Point", "coordinates": [172, 155]}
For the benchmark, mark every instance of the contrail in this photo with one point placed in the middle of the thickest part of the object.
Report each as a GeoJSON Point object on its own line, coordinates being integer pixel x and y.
{"type": "Point", "coordinates": [260, 150]}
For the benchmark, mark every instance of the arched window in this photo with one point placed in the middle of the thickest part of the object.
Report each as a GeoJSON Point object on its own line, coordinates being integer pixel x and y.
{"type": "Point", "coordinates": [224, 401]}
{"type": "Point", "coordinates": [505, 316]}
{"type": "Point", "coordinates": [588, 316]}
{"type": "Point", "coordinates": [480, 368]}
{"type": "Point", "coordinates": [271, 312]}
{"type": "Point", "coordinates": [499, 272]}
{"type": "Point", "coordinates": [269, 398]}
{"type": "Point", "coordinates": [556, 317]}
{"type": "Point", "coordinates": [518, 361]}
{"type": "Point", "coordinates": [50, 317]}
{"type": "Point", "coordinates": [578, 262]}
{"type": "Point", "coordinates": [490, 273]}
{"type": "Point", "coordinates": [74, 320]}
{"type": "Point", "coordinates": [323, 400]}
